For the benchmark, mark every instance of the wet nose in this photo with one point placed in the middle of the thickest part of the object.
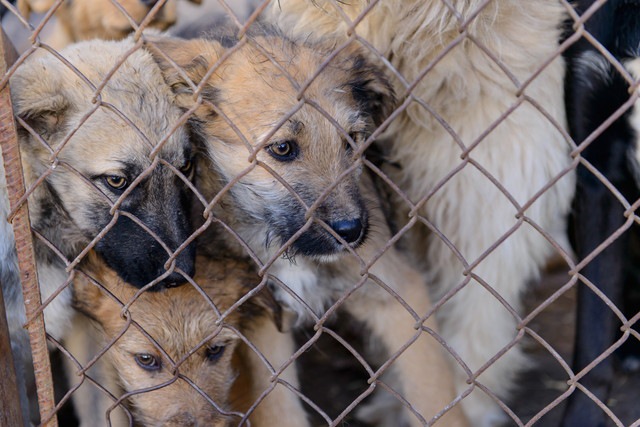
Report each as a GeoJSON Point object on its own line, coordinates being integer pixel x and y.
{"type": "Point", "coordinates": [349, 229]}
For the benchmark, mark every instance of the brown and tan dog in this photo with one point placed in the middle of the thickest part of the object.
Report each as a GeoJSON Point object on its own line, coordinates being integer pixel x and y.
{"type": "Point", "coordinates": [178, 354]}
{"type": "Point", "coordinates": [278, 154]}
{"type": "Point", "coordinates": [88, 19]}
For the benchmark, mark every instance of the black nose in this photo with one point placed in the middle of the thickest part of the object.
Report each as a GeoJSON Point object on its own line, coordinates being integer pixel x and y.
{"type": "Point", "coordinates": [186, 262]}
{"type": "Point", "coordinates": [349, 229]}
{"type": "Point", "coordinates": [149, 3]}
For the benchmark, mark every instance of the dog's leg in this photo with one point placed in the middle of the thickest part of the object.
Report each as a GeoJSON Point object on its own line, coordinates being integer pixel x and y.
{"type": "Point", "coordinates": [488, 251]}
{"type": "Point", "coordinates": [422, 369]}
{"type": "Point", "coordinates": [281, 406]}
{"type": "Point", "coordinates": [596, 323]}
{"type": "Point", "coordinates": [475, 322]}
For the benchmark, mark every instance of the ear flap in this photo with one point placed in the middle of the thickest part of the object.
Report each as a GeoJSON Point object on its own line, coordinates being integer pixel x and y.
{"type": "Point", "coordinates": [284, 318]}
{"type": "Point", "coordinates": [45, 116]}
{"type": "Point", "coordinates": [184, 64]}
{"type": "Point", "coordinates": [88, 298]}
{"type": "Point", "coordinates": [370, 87]}
{"type": "Point", "coordinates": [38, 97]}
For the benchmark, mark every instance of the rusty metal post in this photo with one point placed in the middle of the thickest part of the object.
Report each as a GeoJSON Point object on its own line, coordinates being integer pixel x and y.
{"type": "Point", "coordinates": [24, 244]}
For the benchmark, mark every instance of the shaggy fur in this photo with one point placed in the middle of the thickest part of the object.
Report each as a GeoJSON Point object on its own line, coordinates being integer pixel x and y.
{"type": "Point", "coordinates": [178, 329]}
{"type": "Point", "coordinates": [595, 91]}
{"type": "Point", "coordinates": [72, 203]}
{"type": "Point", "coordinates": [78, 20]}
{"type": "Point", "coordinates": [469, 91]}
{"type": "Point", "coordinates": [250, 109]}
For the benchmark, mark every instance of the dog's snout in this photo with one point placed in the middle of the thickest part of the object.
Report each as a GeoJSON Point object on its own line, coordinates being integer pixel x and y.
{"type": "Point", "coordinates": [149, 3]}
{"type": "Point", "coordinates": [349, 229]}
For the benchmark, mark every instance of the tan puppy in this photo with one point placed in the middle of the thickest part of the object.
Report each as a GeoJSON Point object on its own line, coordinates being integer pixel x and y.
{"type": "Point", "coordinates": [303, 159]}
{"type": "Point", "coordinates": [177, 362]}
{"type": "Point", "coordinates": [88, 19]}
{"type": "Point", "coordinates": [487, 107]}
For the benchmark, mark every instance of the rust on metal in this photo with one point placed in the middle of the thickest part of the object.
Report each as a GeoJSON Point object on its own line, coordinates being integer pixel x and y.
{"type": "Point", "coordinates": [24, 245]}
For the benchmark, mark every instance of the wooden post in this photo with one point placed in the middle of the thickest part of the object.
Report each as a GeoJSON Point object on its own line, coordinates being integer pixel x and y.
{"type": "Point", "coordinates": [26, 255]}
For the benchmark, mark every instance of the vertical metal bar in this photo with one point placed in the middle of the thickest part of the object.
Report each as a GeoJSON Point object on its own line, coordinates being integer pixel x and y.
{"type": "Point", "coordinates": [24, 244]}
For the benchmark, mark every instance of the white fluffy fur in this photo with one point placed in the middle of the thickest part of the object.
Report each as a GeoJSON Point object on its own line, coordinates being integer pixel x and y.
{"type": "Point", "coordinates": [634, 68]}
{"type": "Point", "coordinates": [524, 152]}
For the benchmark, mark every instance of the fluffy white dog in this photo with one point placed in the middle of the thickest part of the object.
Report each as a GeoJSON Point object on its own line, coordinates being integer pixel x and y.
{"type": "Point", "coordinates": [478, 143]}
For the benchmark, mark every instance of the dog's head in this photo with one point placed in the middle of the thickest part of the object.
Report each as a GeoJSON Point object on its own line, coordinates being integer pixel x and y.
{"type": "Point", "coordinates": [88, 19]}
{"type": "Point", "coordinates": [185, 363]}
{"type": "Point", "coordinates": [110, 178]}
{"type": "Point", "coordinates": [307, 151]}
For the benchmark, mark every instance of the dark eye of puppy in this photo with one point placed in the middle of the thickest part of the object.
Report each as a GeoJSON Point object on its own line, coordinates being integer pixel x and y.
{"type": "Point", "coordinates": [147, 361]}
{"type": "Point", "coordinates": [187, 168]}
{"type": "Point", "coordinates": [283, 151]}
{"type": "Point", "coordinates": [214, 352]}
{"type": "Point", "coordinates": [349, 145]}
{"type": "Point", "coordinates": [116, 182]}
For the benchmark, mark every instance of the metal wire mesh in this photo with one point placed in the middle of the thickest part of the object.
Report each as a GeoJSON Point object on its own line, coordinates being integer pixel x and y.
{"type": "Point", "coordinates": [466, 260]}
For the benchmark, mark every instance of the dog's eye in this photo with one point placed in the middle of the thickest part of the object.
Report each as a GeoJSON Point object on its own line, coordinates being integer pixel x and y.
{"type": "Point", "coordinates": [147, 361]}
{"type": "Point", "coordinates": [355, 137]}
{"type": "Point", "coordinates": [187, 168]}
{"type": "Point", "coordinates": [214, 352]}
{"type": "Point", "coordinates": [284, 150]}
{"type": "Point", "coordinates": [116, 182]}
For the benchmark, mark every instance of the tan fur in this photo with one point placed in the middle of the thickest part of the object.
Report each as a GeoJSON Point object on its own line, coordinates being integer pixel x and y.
{"type": "Point", "coordinates": [88, 19]}
{"type": "Point", "coordinates": [256, 91]}
{"type": "Point", "coordinates": [459, 83]}
{"type": "Point", "coordinates": [178, 325]}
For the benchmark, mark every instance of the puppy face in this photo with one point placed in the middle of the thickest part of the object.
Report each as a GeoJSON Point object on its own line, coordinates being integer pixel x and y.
{"type": "Point", "coordinates": [180, 370]}
{"type": "Point", "coordinates": [307, 153]}
{"type": "Point", "coordinates": [107, 160]}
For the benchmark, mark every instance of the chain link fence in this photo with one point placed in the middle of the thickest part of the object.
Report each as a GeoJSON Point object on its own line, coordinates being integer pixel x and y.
{"type": "Point", "coordinates": [380, 199]}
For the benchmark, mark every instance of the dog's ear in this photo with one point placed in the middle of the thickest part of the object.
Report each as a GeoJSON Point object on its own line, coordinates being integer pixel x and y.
{"type": "Point", "coordinates": [184, 64]}
{"type": "Point", "coordinates": [38, 6]}
{"type": "Point", "coordinates": [89, 298]}
{"type": "Point", "coordinates": [284, 318]}
{"type": "Point", "coordinates": [38, 98]}
{"type": "Point", "coordinates": [370, 87]}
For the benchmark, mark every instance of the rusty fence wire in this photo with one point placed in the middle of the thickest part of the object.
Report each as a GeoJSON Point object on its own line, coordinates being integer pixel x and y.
{"type": "Point", "coordinates": [324, 213]}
